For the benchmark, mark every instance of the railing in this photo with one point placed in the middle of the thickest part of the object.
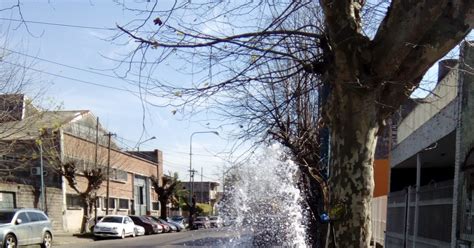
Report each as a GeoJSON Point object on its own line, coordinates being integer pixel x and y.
{"type": "Point", "coordinates": [434, 221]}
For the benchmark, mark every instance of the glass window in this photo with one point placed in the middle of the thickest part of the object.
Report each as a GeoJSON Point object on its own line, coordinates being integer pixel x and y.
{"type": "Point", "coordinates": [123, 203]}
{"type": "Point", "coordinates": [73, 201]}
{"type": "Point", "coordinates": [33, 216]}
{"type": "Point", "coordinates": [155, 205]}
{"type": "Point", "coordinates": [6, 217]}
{"type": "Point", "coordinates": [24, 217]}
{"type": "Point", "coordinates": [111, 202]}
{"type": "Point", "coordinates": [36, 216]}
{"type": "Point", "coordinates": [112, 219]}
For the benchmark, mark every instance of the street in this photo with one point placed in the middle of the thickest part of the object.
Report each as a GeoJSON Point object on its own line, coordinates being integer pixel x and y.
{"type": "Point", "coordinates": [206, 237]}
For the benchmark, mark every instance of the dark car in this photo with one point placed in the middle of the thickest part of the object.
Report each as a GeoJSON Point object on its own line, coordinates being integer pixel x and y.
{"type": "Point", "coordinates": [149, 226]}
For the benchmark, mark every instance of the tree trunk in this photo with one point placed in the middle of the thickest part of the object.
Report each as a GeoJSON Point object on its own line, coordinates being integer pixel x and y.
{"type": "Point", "coordinates": [85, 215]}
{"type": "Point", "coordinates": [163, 212]}
{"type": "Point", "coordinates": [353, 139]}
{"type": "Point", "coordinates": [315, 205]}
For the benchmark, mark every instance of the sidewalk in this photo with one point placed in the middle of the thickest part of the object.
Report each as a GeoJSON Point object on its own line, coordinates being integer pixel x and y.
{"type": "Point", "coordinates": [63, 238]}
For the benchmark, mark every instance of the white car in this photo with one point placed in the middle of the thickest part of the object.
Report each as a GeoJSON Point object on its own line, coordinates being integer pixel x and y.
{"type": "Point", "coordinates": [118, 226]}
{"type": "Point", "coordinates": [201, 222]}
{"type": "Point", "coordinates": [215, 221]}
{"type": "Point", "coordinates": [139, 230]}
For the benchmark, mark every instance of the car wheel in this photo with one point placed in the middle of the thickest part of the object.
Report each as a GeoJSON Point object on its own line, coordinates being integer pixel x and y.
{"type": "Point", "coordinates": [10, 241]}
{"type": "Point", "coordinates": [123, 234]}
{"type": "Point", "coordinates": [47, 240]}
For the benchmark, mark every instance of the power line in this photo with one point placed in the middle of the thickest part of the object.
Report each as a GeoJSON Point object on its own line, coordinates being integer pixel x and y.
{"type": "Point", "coordinates": [73, 79]}
{"type": "Point", "coordinates": [58, 24]}
{"type": "Point", "coordinates": [70, 66]}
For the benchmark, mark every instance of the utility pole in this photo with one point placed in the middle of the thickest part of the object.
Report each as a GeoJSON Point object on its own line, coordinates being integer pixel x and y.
{"type": "Point", "coordinates": [95, 164]}
{"type": "Point", "coordinates": [108, 173]}
{"type": "Point", "coordinates": [43, 205]}
{"type": "Point", "coordinates": [202, 190]}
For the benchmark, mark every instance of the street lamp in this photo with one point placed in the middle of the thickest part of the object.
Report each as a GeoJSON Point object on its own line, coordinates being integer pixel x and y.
{"type": "Point", "coordinates": [138, 146]}
{"type": "Point", "coordinates": [191, 167]}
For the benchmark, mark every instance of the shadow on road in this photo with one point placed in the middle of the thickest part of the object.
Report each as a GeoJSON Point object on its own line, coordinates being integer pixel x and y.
{"type": "Point", "coordinates": [242, 241]}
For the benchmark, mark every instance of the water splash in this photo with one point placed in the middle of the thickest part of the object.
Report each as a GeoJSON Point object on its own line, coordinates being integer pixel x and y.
{"type": "Point", "coordinates": [262, 198]}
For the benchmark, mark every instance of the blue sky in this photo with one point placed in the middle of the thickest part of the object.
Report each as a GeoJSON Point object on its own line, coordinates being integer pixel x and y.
{"type": "Point", "coordinates": [85, 48]}
{"type": "Point", "coordinates": [74, 33]}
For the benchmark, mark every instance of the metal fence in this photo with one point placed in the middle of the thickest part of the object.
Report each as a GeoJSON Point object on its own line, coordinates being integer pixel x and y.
{"type": "Point", "coordinates": [434, 219]}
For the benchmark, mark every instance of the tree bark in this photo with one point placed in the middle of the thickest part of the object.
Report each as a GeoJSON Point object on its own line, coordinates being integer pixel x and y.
{"type": "Point", "coordinates": [315, 200]}
{"type": "Point", "coordinates": [163, 212]}
{"type": "Point", "coordinates": [353, 139]}
{"type": "Point", "coordinates": [85, 215]}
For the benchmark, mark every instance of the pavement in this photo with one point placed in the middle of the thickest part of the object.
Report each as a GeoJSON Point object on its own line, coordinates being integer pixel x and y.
{"type": "Point", "coordinates": [64, 238]}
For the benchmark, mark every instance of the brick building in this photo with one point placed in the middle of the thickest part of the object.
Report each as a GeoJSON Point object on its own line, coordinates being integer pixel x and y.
{"type": "Point", "coordinates": [76, 137]}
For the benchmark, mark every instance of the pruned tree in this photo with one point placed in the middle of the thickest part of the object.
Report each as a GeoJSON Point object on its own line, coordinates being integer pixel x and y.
{"type": "Point", "coordinates": [82, 162]}
{"type": "Point", "coordinates": [371, 69]}
{"type": "Point", "coordinates": [168, 190]}
{"type": "Point", "coordinates": [80, 172]}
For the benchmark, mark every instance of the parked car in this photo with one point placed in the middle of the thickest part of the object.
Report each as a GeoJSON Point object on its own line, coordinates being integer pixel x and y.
{"type": "Point", "coordinates": [139, 230]}
{"type": "Point", "coordinates": [215, 221]}
{"type": "Point", "coordinates": [92, 222]}
{"type": "Point", "coordinates": [179, 225]}
{"type": "Point", "coordinates": [150, 227]}
{"type": "Point", "coordinates": [25, 227]}
{"type": "Point", "coordinates": [180, 219]}
{"type": "Point", "coordinates": [201, 222]}
{"type": "Point", "coordinates": [118, 226]}
{"type": "Point", "coordinates": [173, 227]}
{"type": "Point", "coordinates": [166, 226]}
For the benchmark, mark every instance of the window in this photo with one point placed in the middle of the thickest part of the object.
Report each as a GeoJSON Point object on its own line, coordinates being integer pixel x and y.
{"type": "Point", "coordinates": [97, 202]}
{"type": "Point", "coordinates": [123, 203]}
{"type": "Point", "coordinates": [35, 216]}
{"type": "Point", "coordinates": [24, 218]}
{"type": "Point", "coordinates": [73, 201]}
{"type": "Point", "coordinates": [118, 175]}
{"type": "Point", "coordinates": [140, 195]}
{"type": "Point", "coordinates": [111, 203]}
{"type": "Point", "coordinates": [155, 205]}
{"type": "Point", "coordinates": [122, 175]}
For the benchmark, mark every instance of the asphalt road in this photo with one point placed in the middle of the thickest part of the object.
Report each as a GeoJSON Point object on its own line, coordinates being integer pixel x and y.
{"type": "Point", "coordinates": [203, 238]}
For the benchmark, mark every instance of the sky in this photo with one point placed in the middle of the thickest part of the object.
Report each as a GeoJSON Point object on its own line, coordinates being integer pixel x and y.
{"type": "Point", "coordinates": [71, 60]}
{"type": "Point", "coordinates": [67, 45]}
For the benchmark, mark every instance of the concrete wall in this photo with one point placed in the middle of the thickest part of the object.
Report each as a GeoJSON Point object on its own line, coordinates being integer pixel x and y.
{"type": "Point", "coordinates": [445, 92]}
{"type": "Point", "coordinates": [379, 218]}
{"type": "Point", "coordinates": [25, 198]}
{"type": "Point", "coordinates": [439, 126]}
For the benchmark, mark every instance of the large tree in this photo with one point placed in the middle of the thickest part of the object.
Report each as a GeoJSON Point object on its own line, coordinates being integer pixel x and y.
{"type": "Point", "coordinates": [372, 55]}
{"type": "Point", "coordinates": [168, 190]}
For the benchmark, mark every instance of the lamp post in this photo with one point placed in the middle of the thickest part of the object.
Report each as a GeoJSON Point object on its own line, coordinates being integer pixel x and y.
{"type": "Point", "coordinates": [191, 171]}
{"type": "Point", "coordinates": [138, 146]}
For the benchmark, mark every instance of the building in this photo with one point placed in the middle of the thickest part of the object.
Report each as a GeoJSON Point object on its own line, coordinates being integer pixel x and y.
{"type": "Point", "coordinates": [30, 137]}
{"type": "Point", "coordinates": [381, 176]}
{"type": "Point", "coordinates": [204, 192]}
{"type": "Point", "coordinates": [430, 199]}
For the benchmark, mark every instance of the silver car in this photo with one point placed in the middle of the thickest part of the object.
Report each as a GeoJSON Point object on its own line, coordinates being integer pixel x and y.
{"type": "Point", "coordinates": [24, 227]}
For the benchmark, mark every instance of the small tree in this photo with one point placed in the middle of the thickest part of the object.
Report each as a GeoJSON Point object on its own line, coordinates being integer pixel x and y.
{"type": "Point", "coordinates": [168, 191]}
{"type": "Point", "coordinates": [74, 170]}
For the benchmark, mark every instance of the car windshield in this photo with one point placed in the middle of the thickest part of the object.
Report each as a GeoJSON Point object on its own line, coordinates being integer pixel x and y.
{"type": "Point", "coordinates": [112, 219]}
{"type": "Point", "coordinates": [212, 218]}
{"type": "Point", "coordinates": [201, 218]}
{"type": "Point", "coordinates": [6, 217]}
